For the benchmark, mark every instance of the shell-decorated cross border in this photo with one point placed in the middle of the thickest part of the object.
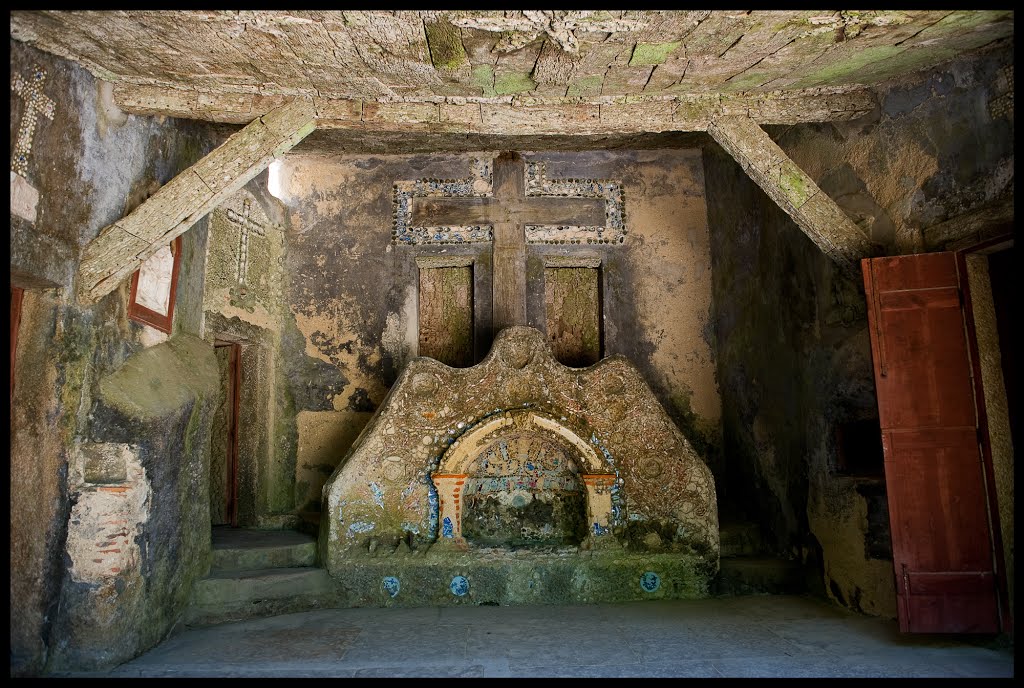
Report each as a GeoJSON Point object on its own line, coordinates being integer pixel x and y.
{"type": "Point", "coordinates": [480, 184]}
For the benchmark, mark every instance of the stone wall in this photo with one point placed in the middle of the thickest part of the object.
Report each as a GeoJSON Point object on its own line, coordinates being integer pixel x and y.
{"type": "Point", "coordinates": [794, 361]}
{"type": "Point", "coordinates": [936, 153]}
{"type": "Point", "coordinates": [732, 316]}
{"type": "Point", "coordinates": [353, 290]}
{"type": "Point", "coordinates": [105, 540]}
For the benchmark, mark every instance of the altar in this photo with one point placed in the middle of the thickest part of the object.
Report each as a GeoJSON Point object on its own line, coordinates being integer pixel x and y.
{"type": "Point", "coordinates": [520, 481]}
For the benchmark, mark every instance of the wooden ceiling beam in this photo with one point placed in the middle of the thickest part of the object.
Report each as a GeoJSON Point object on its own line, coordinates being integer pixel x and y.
{"type": "Point", "coordinates": [794, 191]}
{"type": "Point", "coordinates": [509, 115]}
{"type": "Point", "coordinates": [120, 248]}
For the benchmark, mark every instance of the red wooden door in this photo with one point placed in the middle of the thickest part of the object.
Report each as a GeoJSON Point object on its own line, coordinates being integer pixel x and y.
{"type": "Point", "coordinates": [938, 508]}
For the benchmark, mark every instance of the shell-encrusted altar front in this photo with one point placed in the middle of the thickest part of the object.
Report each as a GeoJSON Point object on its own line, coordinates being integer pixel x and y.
{"type": "Point", "coordinates": [520, 480]}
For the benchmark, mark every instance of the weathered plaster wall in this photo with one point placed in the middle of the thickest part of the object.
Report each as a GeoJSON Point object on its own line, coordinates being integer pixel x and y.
{"type": "Point", "coordinates": [353, 293]}
{"type": "Point", "coordinates": [656, 287]}
{"type": "Point", "coordinates": [939, 147]}
{"type": "Point", "coordinates": [90, 165]}
{"type": "Point", "coordinates": [133, 565]}
{"type": "Point", "coordinates": [41, 433]}
{"type": "Point", "coordinates": [219, 444]}
{"type": "Point", "coordinates": [793, 351]}
{"type": "Point", "coordinates": [793, 363]}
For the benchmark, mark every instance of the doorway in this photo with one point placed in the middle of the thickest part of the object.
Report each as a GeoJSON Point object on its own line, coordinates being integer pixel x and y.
{"type": "Point", "coordinates": [987, 271]}
{"type": "Point", "coordinates": [944, 391]}
{"type": "Point", "coordinates": [224, 445]}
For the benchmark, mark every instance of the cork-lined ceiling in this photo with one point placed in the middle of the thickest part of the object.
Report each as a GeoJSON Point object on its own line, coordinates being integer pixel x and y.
{"type": "Point", "coordinates": [433, 67]}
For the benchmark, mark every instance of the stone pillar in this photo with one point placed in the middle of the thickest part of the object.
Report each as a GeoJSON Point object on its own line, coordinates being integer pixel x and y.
{"type": "Point", "coordinates": [449, 506]}
{"type": "Point", "coordinates": [599, 503]}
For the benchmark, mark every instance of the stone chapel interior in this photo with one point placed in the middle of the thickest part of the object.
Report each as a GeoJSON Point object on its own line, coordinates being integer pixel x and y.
{"type": "Point", "coordinates": [421, 308]}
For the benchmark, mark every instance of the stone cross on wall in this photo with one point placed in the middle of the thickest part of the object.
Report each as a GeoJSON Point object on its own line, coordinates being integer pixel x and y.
{"type": "Point", "coordinates": [36, 104]}
{"type": "Point", "coordinates": [521, 206]}
{"type": "Point", "coordinates": [245, 224]}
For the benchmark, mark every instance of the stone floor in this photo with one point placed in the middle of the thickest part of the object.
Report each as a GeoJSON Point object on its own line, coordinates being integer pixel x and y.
{"type": "Point", "coordinates": [752, 636]}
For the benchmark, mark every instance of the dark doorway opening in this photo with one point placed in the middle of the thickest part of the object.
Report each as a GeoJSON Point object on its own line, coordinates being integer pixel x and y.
{"type": "Point", "coordinates": [224, 446]}
{"type": "Point", "coordinates": [987, 268]}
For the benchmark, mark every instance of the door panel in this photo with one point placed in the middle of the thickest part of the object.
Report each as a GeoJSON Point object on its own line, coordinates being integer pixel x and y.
{"type": "Point", "coordinates": [921, 465]}
{"type": "Point", "coordinates": [938, 509]}
{"type": "Point", "coordinates": [224, 444]}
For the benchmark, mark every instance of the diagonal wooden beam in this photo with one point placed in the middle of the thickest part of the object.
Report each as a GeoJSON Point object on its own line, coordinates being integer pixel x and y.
{"type": "Point", "coordinates": [120, 248]}
{"type": "Point", "coordinates": [796, 193]}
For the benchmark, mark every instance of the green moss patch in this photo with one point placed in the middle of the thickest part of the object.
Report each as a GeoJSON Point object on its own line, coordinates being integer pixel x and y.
{"type": "Point", "coordinates": [748, 81]}
{"type": "Point", "coordinates": [482, 76]}
{"type": "Point", "coordinates": [507, 83]}
{"type": "Point", "coordinates": [848, 65]}
{"type": "Point", "coordinates": [651, 53]}
{"type": "Point", "coordinates": [797, 186]}
{"type": "Point", "coordinates": [445, 43]}
{"type": "Point", "coordinates": [586, 87]}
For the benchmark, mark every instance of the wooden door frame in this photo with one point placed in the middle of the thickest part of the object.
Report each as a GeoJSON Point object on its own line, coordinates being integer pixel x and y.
{"type": "Point", "coordinates": [235, 391]}
{"type": "Point", "coordinates": [17, 296]}
{"type": "Point", "coordinates": [147, 316]}
{"type": "Point", "coordinates": [982, 418]}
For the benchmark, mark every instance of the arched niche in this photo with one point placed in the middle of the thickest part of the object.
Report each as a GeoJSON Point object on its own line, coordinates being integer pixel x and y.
{"type": "Point", "coordinates": [522, 478]}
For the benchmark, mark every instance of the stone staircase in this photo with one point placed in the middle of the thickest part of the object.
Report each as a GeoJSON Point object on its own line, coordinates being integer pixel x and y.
{"type": "Point", "coordinates": [748, 567]}
{"type": "Point", "coordinates": [259, 573]}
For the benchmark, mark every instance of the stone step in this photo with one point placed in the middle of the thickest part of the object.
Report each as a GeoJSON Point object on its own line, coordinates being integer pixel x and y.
{"type": "Point", "coordinates": [243, 549]}
{"type": "Point", "coordinates": [258, 573]}
{"type": "Point", "coordinates": [750, 575]}
{"type": "Point", "coordinates": [741, 539]}
{"type": "Point", "coordinates": [237, 595]}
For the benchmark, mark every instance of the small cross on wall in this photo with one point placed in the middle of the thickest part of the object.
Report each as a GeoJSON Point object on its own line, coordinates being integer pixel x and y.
{"type": "Point", "coordinates": [245, 224]}
{"type": "Point", "coordinates": [31, 91]}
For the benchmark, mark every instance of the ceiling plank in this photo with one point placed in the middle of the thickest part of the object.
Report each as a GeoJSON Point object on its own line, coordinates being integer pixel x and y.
{"type": "Point", "coordinates": [794, 191]}
{"type": "Point", "coordinates": [857, 43]}
{"type": "Point", "coordinates": [368, 54]}
{"type": "Point", "coordinates": [743, 65]}
{"type": "Point", "coordinates": [120, 248]}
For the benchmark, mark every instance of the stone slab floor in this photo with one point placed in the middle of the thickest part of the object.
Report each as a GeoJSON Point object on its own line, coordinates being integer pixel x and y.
{"type": "Point", "coordinates": [753, 636]}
